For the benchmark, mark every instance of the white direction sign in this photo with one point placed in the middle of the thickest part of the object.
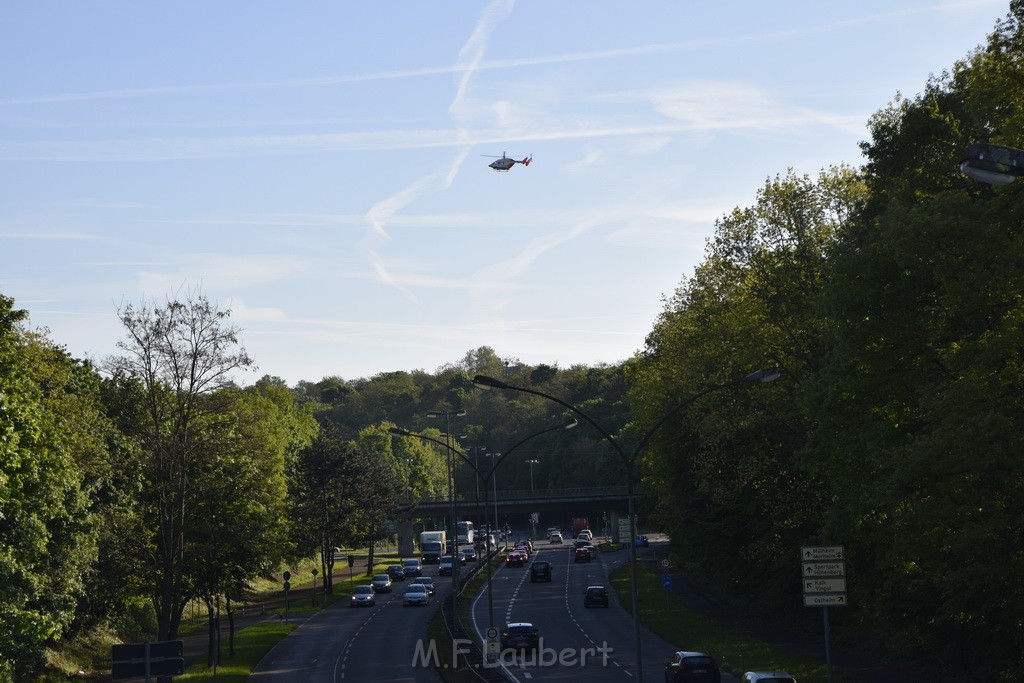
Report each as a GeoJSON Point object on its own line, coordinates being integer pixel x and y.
{"type": "Point", "coordinates": [624, 531]}
{"type": "Point", "coordinates": [825, 600]}
{"type": "Point", "coordinates": [825, 585]}
{"type": "Point", "coordinates": [824, 569]}
{"type": "Point", "coordinates": [822, 553]}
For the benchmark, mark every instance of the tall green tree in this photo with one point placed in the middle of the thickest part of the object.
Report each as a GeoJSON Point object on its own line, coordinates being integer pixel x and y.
{"type": "Point", "coordinates": [726, 470]}
{"type": "Point", "coordinates": [241, 530]}
{"type": "Point", "coordinates": [920, 397]}
{"type": "Point", "coordinates": [179, 355]}
{"type": "Point", "coordinates": [342, 493]}
{"type": "Point", "coordinates": [50, 430]}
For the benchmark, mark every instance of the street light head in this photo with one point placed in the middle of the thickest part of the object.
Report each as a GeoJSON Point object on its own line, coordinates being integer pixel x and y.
{"type": "Point", "coordinates": [993, 164]}
{"type": "Point", "coordinates": [571, 424]}
{"type": "Point", "coordinates": [485, 382]}
{"type": "Point", "coordinates": [446, 413]}
{"type": "Point", "coordinates": [765, 375]}
{"type": "Point", "coordinates": [398, 431]}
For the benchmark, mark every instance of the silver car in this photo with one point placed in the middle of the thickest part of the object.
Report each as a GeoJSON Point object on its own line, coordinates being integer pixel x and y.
{"type": "Point", "coordinates": [363, 596]}
{"type": "Point", "coordinates": [416, 594]}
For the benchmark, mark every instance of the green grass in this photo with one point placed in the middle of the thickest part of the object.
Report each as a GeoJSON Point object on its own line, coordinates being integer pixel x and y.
{"type": "Point", "coordinates": [251, 644]}
{"type": "Point", "coordinates": [676, 622]}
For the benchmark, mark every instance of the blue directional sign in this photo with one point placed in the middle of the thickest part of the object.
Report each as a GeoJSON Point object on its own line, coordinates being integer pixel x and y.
{"type": "Point", "coordinates": [666, 581]}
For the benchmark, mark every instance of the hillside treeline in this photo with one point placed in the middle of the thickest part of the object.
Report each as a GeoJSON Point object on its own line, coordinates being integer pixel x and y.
{"type": "Point", "coordinates": [135, 486]}
{"type": "Point", "coordinates": [890, 295]}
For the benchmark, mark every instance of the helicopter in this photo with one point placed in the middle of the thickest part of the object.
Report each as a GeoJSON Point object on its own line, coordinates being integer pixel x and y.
{"type": "Point", "coordinates": [505, 162]}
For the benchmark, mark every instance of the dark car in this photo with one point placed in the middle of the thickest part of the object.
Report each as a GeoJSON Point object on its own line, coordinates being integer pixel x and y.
{"type": "Point", "coordinates": [396, 572]}
{"type": "Point", "coordinates": [515, 558]}
{"type": "Point", "coordinates": [596, 596]}
{"type": "Point", "coordinates": [582, 555]}
{"type": "Point", "coordinates": [642, 542]}
{"type": "Point", "coordinates": [520, 636]}
{"type": "Point", "coordinates": [692, 666]}
{"type": "Point", "coordinates": [540, 571]}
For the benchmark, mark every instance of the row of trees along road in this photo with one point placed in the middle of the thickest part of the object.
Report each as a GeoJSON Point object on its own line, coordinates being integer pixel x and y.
{"type": "Point", "coordinates": [890, 295]}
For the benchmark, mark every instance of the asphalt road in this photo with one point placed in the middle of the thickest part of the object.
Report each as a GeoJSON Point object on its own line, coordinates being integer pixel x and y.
{"type": "Point", "coordinates": [386, 643]}
{"type": "Point", "coordinates": [577, 642]}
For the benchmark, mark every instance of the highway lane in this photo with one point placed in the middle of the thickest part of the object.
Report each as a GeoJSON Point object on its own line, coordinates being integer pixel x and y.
{"type": "Point", "coordinates": [341, 643]}
{"type": "Point", "coordinates": [578, 642]}
{"type": "Point", "coordinates": [393, 647]}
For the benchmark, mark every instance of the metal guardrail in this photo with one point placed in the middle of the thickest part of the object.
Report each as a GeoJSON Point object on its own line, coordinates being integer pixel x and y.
{"type": "Point", "coordinates": [475, 657]}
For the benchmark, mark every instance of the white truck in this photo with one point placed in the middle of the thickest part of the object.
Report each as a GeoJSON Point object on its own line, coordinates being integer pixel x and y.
{"type": "Point", "coordinates": [432, 546]}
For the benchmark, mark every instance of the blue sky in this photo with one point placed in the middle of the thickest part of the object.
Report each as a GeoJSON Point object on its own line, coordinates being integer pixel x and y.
{"type": "Point", "coordinates": [317, 168]}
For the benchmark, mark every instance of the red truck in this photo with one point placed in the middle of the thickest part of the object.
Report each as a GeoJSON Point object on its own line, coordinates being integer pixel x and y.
{"type": "Point", "coordinates": [578, 525]}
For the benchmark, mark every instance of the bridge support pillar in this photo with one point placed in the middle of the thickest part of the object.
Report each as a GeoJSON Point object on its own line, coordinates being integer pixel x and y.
{"type": "Point", "coordinates": [613, 521]}
{"type": "Point", "coordinates": [405, 544]}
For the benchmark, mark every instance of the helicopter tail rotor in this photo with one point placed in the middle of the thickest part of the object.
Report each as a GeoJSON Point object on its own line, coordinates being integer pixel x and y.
{"type": "Point", "coordinates": [527, 160]}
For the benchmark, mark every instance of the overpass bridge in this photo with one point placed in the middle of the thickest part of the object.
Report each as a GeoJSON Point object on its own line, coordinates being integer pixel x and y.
{"type": "Point", "coordinates": [512, 502]}
{"type": "Point", "coordinates": [554, 507]}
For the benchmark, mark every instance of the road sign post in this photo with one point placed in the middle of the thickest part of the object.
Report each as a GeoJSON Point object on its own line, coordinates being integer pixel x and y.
{"type": "Point", "coordinates": [624, 531]}
{"type": "Point", "coordinates": [823, 578]}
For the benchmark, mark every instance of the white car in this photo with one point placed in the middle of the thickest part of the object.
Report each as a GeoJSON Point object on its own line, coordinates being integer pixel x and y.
{"type": "Point", "coordinates": [767, 677]}
{"type": "Point", "coordinates": [555, 538]}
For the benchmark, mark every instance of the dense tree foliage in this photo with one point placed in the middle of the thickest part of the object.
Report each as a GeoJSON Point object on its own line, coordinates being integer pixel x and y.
{"type": "Point", "coordinates": [180, 356]}
{"type": "Point", "coordinates": [52, 448]}
{"type": "Point", "coordinates": [730, 462]}
{"type": "Point", "coordinates": [892, 299]}
{"type": "Point", "coordinates": [921, 394]}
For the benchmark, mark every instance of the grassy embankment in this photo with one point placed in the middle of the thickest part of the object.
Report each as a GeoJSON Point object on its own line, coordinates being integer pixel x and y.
{"type": "Point", "coordinates": [253, 642]}
{"type": "Point", "coordinates": [671, 618]}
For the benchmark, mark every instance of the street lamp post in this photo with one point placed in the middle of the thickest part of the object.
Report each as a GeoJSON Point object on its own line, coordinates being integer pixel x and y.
{"type": "Point", "coordinates": [498, 459]}
{"type": "Point", "coordinates": [766, 375]}
{"type": "Point", "coordinates": [475, 452]}
{"type": "Point", "coordinates": [452, 503]}
{"type": "Point", "coordinates": [494, 483]}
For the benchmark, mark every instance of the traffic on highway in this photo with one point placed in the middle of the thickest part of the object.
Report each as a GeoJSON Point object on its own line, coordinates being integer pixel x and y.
{"type": "Point", "coordinates": [552, 617]}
